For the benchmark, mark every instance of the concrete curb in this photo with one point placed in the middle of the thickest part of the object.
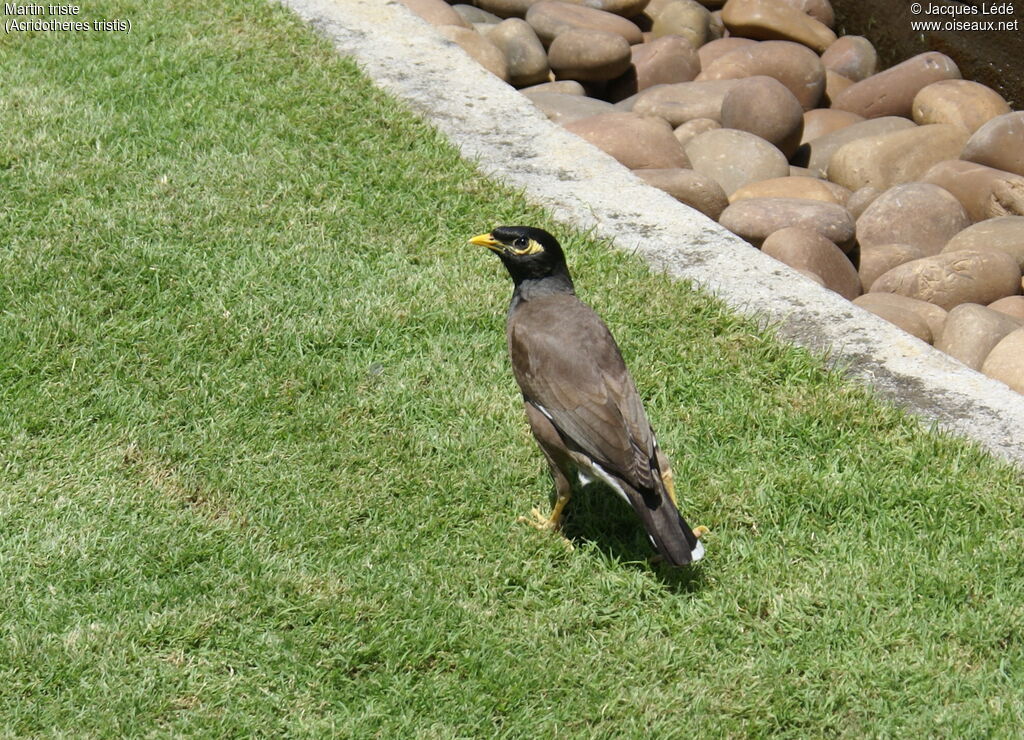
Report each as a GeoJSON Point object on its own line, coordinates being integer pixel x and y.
{"type": "Point", "coordinates": [512, 141]}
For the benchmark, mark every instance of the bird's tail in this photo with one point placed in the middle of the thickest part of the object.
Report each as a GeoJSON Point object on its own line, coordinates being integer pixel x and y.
{"type": "Point", "coordinates": [671, 536]}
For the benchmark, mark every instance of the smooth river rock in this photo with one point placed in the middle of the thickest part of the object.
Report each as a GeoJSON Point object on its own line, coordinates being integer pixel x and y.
{"type": "Point", "coordinates": [878, 259]}
{"type": "Point", "coordinates": [806, 188]}
{"type": "Point", "coordinates": [768, 20]}
{"type": "Point", "coordinates": [625, 8]}
{"type": "Point", "coordinates": [735, 158]}
{"type": "Point", "coordinates": [821, 121]}
{"type": "Point", "coordinates": [860, 199]}
{"type": "Point", "coordinates": [712, 50]}
{"type": "Point", "coordinates": [917, 213]}
{"type": "Point", "coordinates": [891, 92]}
{"type": "Point", "coordinates": [794, 65]}
{"type": "Point", "coordinates": [694, 127]}
{"type": "Point", "coordinates": [563, 87]}
{"type": "Point", "coordinates": [916, 317]}
{"type": "Point", "coordinates": [754, 219]}
{"type": "Point", "coordinates": [1012, 305]}
{"type": "Point", "coordinates": [686, 18]}
{"type": "Point", "coordinates": [999, 144]}
{"type": "Point", "coordinates": [765, 107]}
{"type": "Point", "coordinates": [666, 60]}
{"type": "Point", "coordinates": [562, 108]}
{"type": "Point", "coordinates": [1006, 361]}
{"type": "Point", "coordinates": [817, 153]}
{"type": "Point", "coordinates": [853, 57]}
{"type": "Point", "coordinates": [588, 56]}
{"type": "Point", "coordinates": [483, 51]}
{"type": "Point", "coordinates": [690, 187]}
{"type": "Point", "coordinates": [985, 192]}
{"type": "Point", "coordinates": [971, 331]}
{"type": "Point", "coordinates": [960, 102]}
{"type": "Point", "coordinates": [684, 101]}
{"type": "Point", "coordinates": [638, 142]}
{"type": "Point", "coordinates": [1005, 234]}
{"type": "Point", "coordinates": [952, 278]}
{"type": "Point", "coordinates": [437, 13]}
{"type": "Point", "coordinates": [897, 157]}
{"type": "Point", "coordinates": [806, 249]}
{"type": "Point", "coordinates": [524, 54]}
{"type": "Point", "coordinates": [551, 18]}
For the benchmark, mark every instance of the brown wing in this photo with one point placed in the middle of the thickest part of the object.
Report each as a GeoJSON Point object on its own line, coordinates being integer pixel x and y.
{"type": "Point", "coordinates": [567, 363]}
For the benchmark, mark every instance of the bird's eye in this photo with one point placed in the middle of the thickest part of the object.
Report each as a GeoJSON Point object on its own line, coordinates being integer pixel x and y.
{"type": "Point", "coordinates": [520, 242]}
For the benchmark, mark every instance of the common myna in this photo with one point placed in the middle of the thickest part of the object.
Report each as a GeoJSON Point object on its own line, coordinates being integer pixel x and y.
{"type": "Point", "coordinates": [580, 399]}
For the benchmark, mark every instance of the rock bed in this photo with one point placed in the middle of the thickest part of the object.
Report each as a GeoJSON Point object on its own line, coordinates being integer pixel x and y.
{"type": "Point", "coordinates": [902, 190]}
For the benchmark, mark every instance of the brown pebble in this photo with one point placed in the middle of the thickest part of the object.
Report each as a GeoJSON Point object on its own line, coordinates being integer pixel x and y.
{"type": "Point", "coordinates": [897, 157]}
{"type": "Point", "coordinates": [735, 158]}
{"type": "Point", "coordinates": [1006, 361]}
{"type": "Point", "coordinates": [821, 121]}
{"type": "Point", "coordinates": [1012, 305]}
{"type": "Point", "coordinates": [479, 48]}
{"type": "Point", "coordinates": [437, 13]}
{"type": "Point", "coordinates": [524, 54]}
{"type": "Point", "coordinates": [562, 87]}
{"type": "Point", "coordinates": [952, 278]}
{"type": "Point", "coordinates": [807, 188]}
{"type": "Point", "coordinates": [1005, 234]}
{"type": "Point", "coordinates": [819, 10]}
{"type": "Point", "coordinates": [985, 192]}
{"type": "Point", "coordinates": [960, 102]}
{"type": "Point", "coordinates": [794, 65]}
{"type": "Point", "coordinates": [755, 218]}
{"type": "Point", "coordinates": [878, 259]}
{"type": "Point", "coordinates": [505, 8]}
{"type": "Point", "coordinates": [684, 101]}
{"type": "Point", "coordinates": [562, 108]}
{"type": "Point", "coordinates": [765, 107]}
{"type": "Point", "coordinates": [665, 60]}
{"type": "Point", "coordinates": [588, 56]}
{"type": "Point", "coordinates": [686, 18]}
{"type": "Point", "coordinates": [972, 331]}
{"type": "Point", "coordinates": [860, 199]}
{"type": "Point", "coordinates": [712, 50]}
{"type": "Point", "coordinates": [909, 314]}
{"type": "Point", "coordinates": [551, 18]}
{"type": "Point", "coordinates": [686, 131]}
{"type": "Point", "coordinates": [891, 93]}
{"type": "Point", "coordinates": [805, 249]}
{"type": "Point", "coordinates": [689, 187]}
{"type": "Point", "coordinates": [768, 20]}
{"type": "Point", "coordinates": [853, 57]}
{"type": "Point", "coordinates": [819, 151]}
{"type": "Point", "coordinates": [638, 142]}
{"type": "Point", "coordinates": [917, 213]}
{"type": "Point", "coordinates": [999, 144]}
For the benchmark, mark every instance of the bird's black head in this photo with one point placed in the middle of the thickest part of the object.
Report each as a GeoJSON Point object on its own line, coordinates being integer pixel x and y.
{"type": "Point", "coordinates": [528, 253]}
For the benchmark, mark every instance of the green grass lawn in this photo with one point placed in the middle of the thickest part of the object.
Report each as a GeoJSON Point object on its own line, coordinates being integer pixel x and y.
{"type": "Point", "coordinates": [261, 453]}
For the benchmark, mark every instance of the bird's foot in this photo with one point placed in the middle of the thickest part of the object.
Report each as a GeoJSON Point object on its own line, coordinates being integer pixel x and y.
{"type": "Point", "coordinates": [538, 521]}
{"type": "Point", "coordinates": [699, 532]}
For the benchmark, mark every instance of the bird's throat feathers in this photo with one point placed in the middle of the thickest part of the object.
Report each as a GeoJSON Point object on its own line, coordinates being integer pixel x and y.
{"type": "Point", "coordinates": [528, 288]}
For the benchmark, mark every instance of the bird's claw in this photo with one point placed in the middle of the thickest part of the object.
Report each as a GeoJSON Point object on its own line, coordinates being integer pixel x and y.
{"type": "Point", "coordinates": [538, 521]}
{"type": "Point", "coordinates": [699, 532]}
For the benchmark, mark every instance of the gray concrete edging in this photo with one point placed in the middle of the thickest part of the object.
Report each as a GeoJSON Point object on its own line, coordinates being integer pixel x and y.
{"type": "Point", "coordinates": [510, 140]}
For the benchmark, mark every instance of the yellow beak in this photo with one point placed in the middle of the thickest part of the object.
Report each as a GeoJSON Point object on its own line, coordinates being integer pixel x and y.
{"type": "Point", "coordinates": [486, 240]}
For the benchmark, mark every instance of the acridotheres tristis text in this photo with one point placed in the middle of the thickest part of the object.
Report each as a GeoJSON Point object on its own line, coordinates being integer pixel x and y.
{"type": "Point", "coordinates": [580, 399]}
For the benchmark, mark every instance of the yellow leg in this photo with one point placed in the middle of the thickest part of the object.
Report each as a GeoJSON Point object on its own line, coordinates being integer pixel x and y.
{"type": "Point", "coordinates": [547, 523]}
{"type": "Point", "coordinates": [699, 532]}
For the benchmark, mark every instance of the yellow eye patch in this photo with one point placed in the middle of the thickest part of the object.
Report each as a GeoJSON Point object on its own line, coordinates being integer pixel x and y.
{"type": "Point", "coordinates": [532, 247]}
